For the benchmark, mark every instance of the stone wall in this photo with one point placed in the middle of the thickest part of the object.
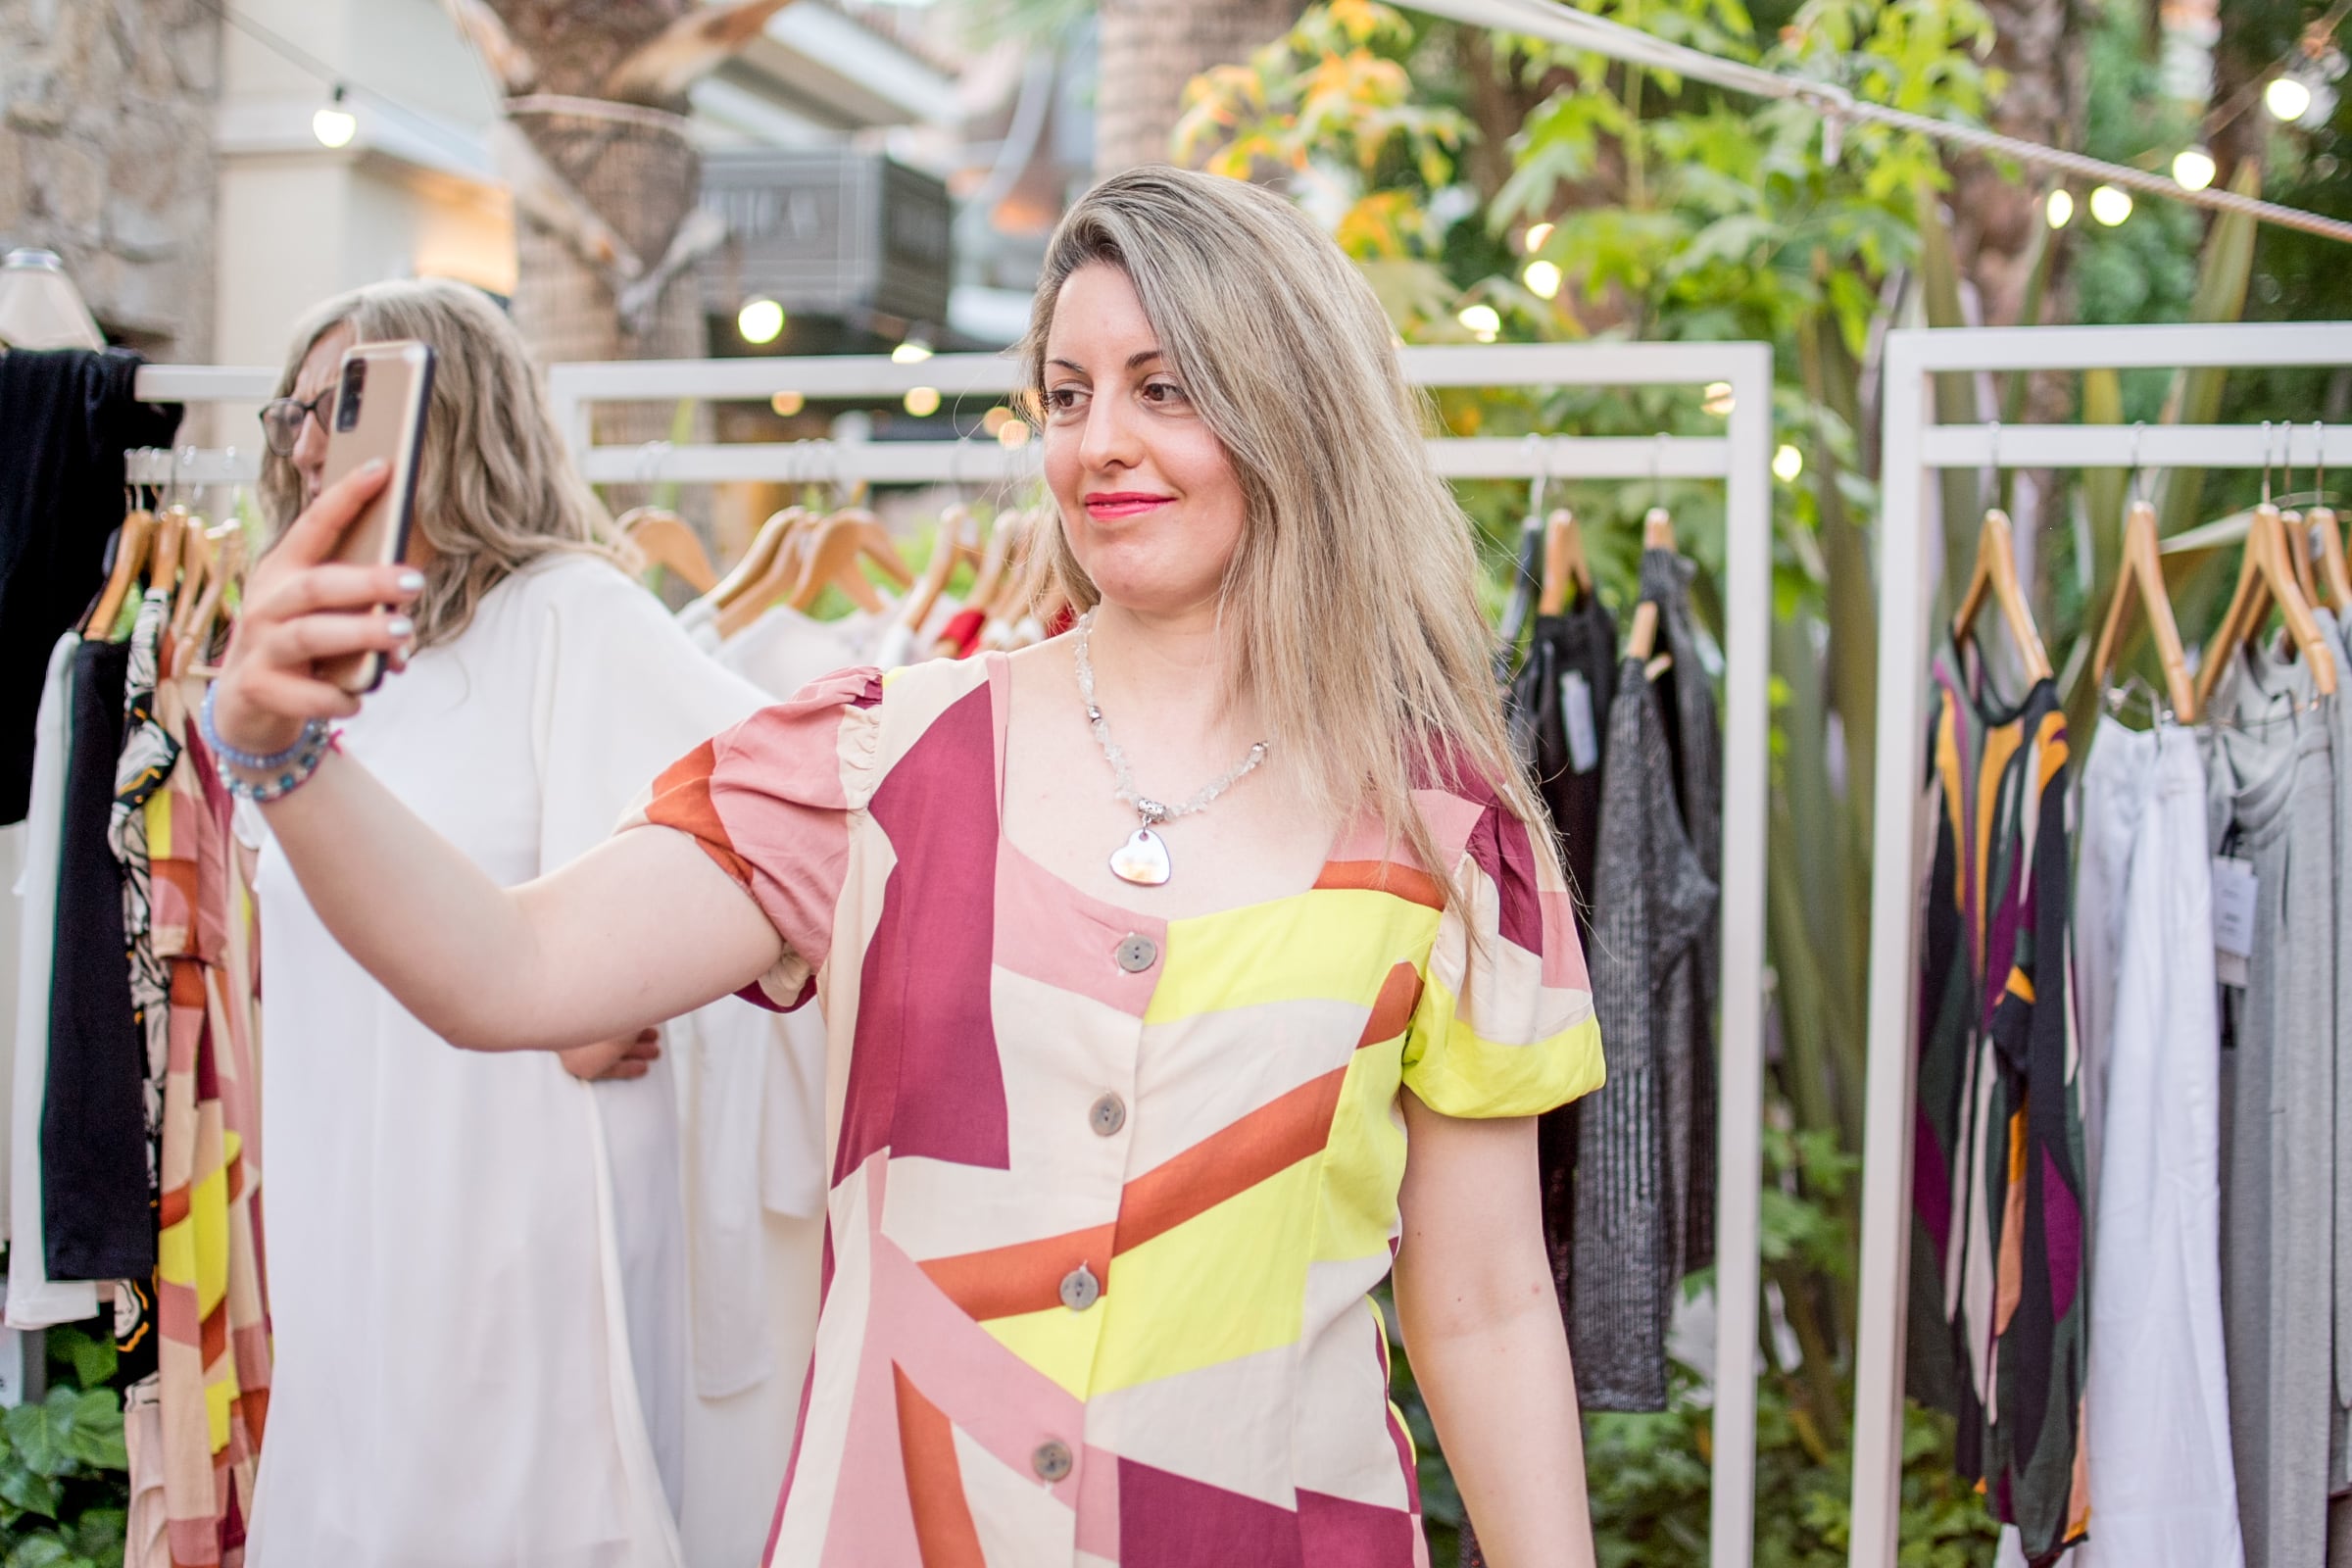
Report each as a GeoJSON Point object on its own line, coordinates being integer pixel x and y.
{"type": "Point", "coordinates": [107, 158]}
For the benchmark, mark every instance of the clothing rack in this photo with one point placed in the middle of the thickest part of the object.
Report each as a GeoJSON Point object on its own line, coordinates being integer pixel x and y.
{"type": "Point", "coordinates": [162, 467]}
{"type": "Point", "coordinates": [1916, 449]}
{"type": "Point", "coordinates": [1739, 458]}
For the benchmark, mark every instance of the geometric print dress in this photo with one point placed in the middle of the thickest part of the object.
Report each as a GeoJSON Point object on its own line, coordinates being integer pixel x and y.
{"type": "Point", "coordinates": [1108, 1192]}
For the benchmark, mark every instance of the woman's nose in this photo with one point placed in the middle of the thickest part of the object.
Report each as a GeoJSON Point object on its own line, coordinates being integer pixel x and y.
{"type": "Point", "coordinates": [310, 450]}
{"type": "Point", "coordinates": [1110, 440]}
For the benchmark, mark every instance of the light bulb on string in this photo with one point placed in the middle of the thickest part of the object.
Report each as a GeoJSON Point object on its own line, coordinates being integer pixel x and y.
{"type": "Point", "coordinates": [923, 402]}
{"type": "Point", "coordinates": [915, 351]}
{"type": "Point", "coordinates": [2061, 208]}
{"type": "Point", "coordinates": [1483, 322]}
{"type": "Point", "coordinates": [1542, 280]}
{"type": "Point", "coordinates": [333, 124]}
{"type": "Point", "coordinates": [2287, 99]}
{"type": "Point", "coordinates": [760, 320]}
{"type": "Point", "coordinates": [1787, 464]}
{"type": "Point", "coordinates": [2110, 205]}
{"type": "Point", "coordinates": [2193, 168]}
{"type": "Point", "coordinates": [1538, 237]}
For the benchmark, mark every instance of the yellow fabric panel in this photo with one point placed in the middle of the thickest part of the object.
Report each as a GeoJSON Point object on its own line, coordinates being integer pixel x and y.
{"type": "Point", "coordinates": [217, 1396]}
{"type": "Point", "coordinates": [1457, 1073]}
{"type": "Point", "coordinates": [1246, 957]}
{"type": "Point", "coordinates": [1364, 1161]}
{"type": "Point", "coordinates": [1227, 1283]}
{"type": "Point", "coordinates": [1056, 1342]}
{"type": "Point", "coordinates": [158, 810]}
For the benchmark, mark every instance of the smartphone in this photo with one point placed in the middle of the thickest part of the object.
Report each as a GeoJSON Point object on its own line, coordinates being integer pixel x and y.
{"type": "Point", "coordinates": [382, 394]}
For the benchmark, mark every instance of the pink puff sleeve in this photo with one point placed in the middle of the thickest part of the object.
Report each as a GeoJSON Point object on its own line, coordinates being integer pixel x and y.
{"type": "Point", "coordinates": [771, 803]}
{"type": "Point", "coordinates": [1504, 1025]}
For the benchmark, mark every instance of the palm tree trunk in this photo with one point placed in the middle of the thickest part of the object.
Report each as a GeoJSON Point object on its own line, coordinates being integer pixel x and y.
{"type": "Point", "coordinates": [1151, 49]}
{"type": "Point", "coordinates": [2038, 47]}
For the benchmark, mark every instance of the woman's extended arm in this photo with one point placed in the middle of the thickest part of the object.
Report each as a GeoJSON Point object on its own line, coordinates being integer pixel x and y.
{"type": "Point", "coordinates": [1481, 1324]}
{"type": "Point", "coordinates": [640, 930]}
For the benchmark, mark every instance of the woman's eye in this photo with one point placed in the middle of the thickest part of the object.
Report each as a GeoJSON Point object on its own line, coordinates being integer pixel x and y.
{"type": "Point", "coordinates": [1063, 399]}
{"type": "Point", "coordinates": [1163, 392]}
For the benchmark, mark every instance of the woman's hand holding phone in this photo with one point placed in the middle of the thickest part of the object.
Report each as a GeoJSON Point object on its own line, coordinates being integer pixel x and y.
{"type": "Point", "coordinates": [302, 611]}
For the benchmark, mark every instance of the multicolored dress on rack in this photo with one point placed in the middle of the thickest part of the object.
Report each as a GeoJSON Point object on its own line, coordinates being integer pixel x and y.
{"type": "Point", "coordinates": [1109, 1192]}
{"type": "Point", "coordinates": [2000, 1315]}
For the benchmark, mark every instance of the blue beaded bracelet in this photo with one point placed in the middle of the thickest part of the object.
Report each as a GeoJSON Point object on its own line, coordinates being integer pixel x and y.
{"type": "Point", "coordinates": [251, 761]}
{"type": "Point", "coordinates": [317, 740]}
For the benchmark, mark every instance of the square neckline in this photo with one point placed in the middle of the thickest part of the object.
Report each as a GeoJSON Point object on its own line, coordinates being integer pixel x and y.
{"type": "Point", "coordinates": [999, 706]}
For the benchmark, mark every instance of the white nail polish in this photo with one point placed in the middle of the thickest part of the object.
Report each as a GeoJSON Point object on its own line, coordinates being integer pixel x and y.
{"type": "Point", "coordinates": [412, 582]}
{"type": "Point", "coordinates": [401, 626]}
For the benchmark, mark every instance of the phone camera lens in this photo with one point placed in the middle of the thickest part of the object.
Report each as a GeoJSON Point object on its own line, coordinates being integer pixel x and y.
{"type": "Point", "coordinates": [347, 404]}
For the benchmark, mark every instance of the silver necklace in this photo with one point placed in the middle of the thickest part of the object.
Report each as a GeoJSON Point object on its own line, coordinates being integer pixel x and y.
{"type": "Point", "coordinates": [1143, 859]}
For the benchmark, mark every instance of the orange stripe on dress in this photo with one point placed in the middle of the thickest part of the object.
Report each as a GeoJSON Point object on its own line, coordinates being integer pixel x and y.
{"type": "Point", "coordinates": [681, 800]}
{"type": "Point", "coordinates": [1025, 1277]}
{"type": "Point", "coordinates": [1229, 1162]}
{"type": "Point", "coordinates": [1393, 1008]}
{"type": "Point", "coordinates": [1382, 876]}
{"type": "Point", "coordinates": [944, 1536]}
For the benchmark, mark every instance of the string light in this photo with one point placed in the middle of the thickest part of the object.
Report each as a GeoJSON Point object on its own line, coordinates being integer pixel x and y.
{"type": "Point", "coordinates": [915, 351]}
{"type": "Point", "coordinates": [2109, 205]}
{"type": "Point", "coordinates": [996, 420]}
{"type": "Point", "coordinates": [2193, 168]}
{"type": "Point", "coordinates": [2061, 211]}
{"type": "Point", "coordinates": [923, 402]}
{"type": "Point", "coordinates": [1542, 280]}
{"type": "Point", "coordinates": [1716, 399]}
{"type": "Point", "coordinates": [1787, 464]}
{"type": "Point", "coordinates": [2287, 99]}
{"type": "Point", "coordinates": [1014, 435]}
{"type": "Point", "coordinates": [333, 124]}
{"type": "Point", "coordinates": [1538, 237]}
{"type": "Point", "coordinates": [788, 404]}
{"type": "Point", "coordinates": [760, 320]}
{"type": "Point", "coordinates": [1483, 320]}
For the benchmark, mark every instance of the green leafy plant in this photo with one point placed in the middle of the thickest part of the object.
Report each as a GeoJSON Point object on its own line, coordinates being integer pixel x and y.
{"type": "Point", "coordinates": [65, 1491]}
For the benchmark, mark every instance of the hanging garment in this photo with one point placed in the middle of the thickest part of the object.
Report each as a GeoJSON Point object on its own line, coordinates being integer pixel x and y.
{"type": "Point", "coordinates": [34, 1301]}
{"type": "Point", "coordinates": [1560, 705]}
{"type": "Point", "coordinates": [458, 1231]}
{"type": "Point", "coordinates": [2338, 711]}
{"type": "Point", "coordinates": [1999, 1315]}
{"type": "Point", "coordinates": [2271, 803]}
{"type": "Point", "coordinates": [1644, 1189]}
{"type": "Point", "coordinates": [65, 419]}
{"type": "Point", "coordinates": [149, 754]}
{"type": "Point", "coordinates": [1695, 741]}
{"type": "Point", "coordinates": [1109, 1191]}
{"type": "Point", "coordinates": [98, 1215]}
{"type": "Point", "coordinates": [2156, 1415]}
{"type": "Point", "coordinates": [211, 1314]}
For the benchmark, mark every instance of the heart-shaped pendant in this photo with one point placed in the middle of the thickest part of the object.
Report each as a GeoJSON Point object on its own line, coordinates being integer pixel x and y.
{"type": "Point", "coordinates": [1143, 860]}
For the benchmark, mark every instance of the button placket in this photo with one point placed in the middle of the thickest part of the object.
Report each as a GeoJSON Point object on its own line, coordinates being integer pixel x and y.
{"type": "Point", "coordinates": [1052, 1461]}
{"type": "Point", "coordinates": [1108, 1115]}
{"type": "Point", "coordinates": [1136, 954]}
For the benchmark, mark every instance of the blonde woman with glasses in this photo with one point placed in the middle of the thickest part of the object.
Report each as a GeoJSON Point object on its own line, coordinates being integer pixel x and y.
{"type": "Point", "coordinates": [477, 1264]}
{"type": "Point", "coordinates": [1181, 974]}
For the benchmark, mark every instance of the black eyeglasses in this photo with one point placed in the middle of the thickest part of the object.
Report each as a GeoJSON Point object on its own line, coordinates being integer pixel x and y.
{"type": "Point", "coordinates": [282, 420]}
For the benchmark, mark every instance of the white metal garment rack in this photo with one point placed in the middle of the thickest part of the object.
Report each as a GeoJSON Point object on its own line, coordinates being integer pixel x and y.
{"type": "Point", "coordinates": [1739, 458]}
{"type": "Point", "coordinates": [1915, 449]}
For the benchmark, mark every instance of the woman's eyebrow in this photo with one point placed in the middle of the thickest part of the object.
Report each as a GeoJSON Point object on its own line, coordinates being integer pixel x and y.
{"type": "Point", "coordinates": [1135, 361]}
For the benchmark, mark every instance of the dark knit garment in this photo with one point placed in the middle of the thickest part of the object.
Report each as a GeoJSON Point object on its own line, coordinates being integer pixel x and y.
{"type": "Point", "coordinates": [65, 419]}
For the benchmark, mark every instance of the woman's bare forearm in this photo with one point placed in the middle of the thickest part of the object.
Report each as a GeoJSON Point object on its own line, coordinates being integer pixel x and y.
{"type": "Point", "coordinates": [635, 933]}
{"type": "Point", "coordinates": [1489, 1355]}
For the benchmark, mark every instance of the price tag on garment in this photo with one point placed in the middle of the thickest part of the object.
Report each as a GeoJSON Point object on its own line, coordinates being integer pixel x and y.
{"type": "Point", "coordinates": [1576, 716]}
{"type": "Point", "coordinates": [2233, 897]}
{"type": "Point", "coordinates": [12, 1367]}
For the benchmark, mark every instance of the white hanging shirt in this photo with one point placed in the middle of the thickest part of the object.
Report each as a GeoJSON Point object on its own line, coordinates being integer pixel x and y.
{"type": "Point", "coordinates": [477, 1262]}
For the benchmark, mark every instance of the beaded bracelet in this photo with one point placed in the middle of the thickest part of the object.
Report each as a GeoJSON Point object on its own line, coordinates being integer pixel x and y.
{"type": "Point", "coordinates": [317, 740]}
{"type": "Point", "coordinates": [251, 761]}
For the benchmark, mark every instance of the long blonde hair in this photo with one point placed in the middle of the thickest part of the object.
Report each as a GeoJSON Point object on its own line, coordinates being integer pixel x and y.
{"type": "Point", "coordinates": [1354, 595]}
{"type": "Point", "coordinates": [495, 487]}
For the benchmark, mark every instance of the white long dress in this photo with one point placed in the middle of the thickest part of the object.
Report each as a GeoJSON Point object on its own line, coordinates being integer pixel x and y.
{"type": "Point", "coordinates": [477, 1263]}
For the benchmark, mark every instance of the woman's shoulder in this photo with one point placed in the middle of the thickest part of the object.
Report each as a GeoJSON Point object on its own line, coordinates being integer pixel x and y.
{"type": "Point", "coordinates": [873, 719]}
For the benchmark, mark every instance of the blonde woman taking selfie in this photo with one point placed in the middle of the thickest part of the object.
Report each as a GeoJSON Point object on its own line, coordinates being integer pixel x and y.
{"type": "Point", "coordinates": [1181, 974]}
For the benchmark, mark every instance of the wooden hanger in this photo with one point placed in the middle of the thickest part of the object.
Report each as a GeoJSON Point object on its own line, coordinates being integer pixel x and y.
{"type": "Point", "coordinates": [995, 573]}
{"type": "Point", "coordinates": [760, 557]}
{"type": "Point", "coordinates": [957, 542]}
{"type": "Point", "coordinates": [664, 540]}
{"type": "Point", "coordinates": [1567, 573]}
{"type": "Point", "coordinates": [1995, 578]}
{"type": "Point", "coordinates": [2141, 572]}
{"type": "Point", "coordinates": [828, 558]}
{"type": "Point", "coordinates": [131, 560]}
{"type": "Point", "coordinates": [226, 565]}
{"type": "Point", "coordinates": [2266, 579]}
{"type": "Point", "coordinates": [1657, 530]}
{"type": "Point", "coordinates": [1657, 533]}
{"type": "Point", "coordinates": [2297, 538]}
{"type": "Point", "coordinates": [197, 563]}
{"type": "Point", "coordinates": [2335, 580]}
